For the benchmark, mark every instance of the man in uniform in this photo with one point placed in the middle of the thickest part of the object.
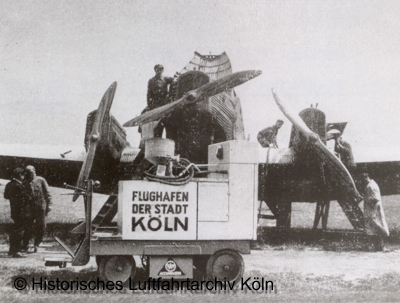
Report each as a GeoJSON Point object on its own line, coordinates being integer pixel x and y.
{"type": "Point", "coordinates": [374, 217]}
{"type": "Point", "coordinates": [19, 202]}
{"type": "Point", "coordinates": [41, 202]}
{"type": "Point", "coordinates": [157, 94]}
{"type": "Point", "coordinates": [267, 136]}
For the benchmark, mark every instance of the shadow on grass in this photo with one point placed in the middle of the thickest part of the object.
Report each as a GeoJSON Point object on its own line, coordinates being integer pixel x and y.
{"type": "Point", "coordinates": [330, 240]}
{"type": "Point", "coordinates": [61, 230]}
{"type": "Point", "coordinates": [294, 238]}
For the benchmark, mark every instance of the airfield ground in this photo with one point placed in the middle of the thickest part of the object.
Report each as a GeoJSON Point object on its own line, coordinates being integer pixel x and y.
{"type": "Point", "coordinates": [304, 266]}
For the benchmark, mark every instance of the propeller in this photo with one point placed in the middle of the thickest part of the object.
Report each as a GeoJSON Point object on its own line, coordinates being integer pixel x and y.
{"type": "Point", "coordinates": [296, 120]}
{"type": "Point", "coordinates": [316, 142]}
{"type": "Point", "coordinates": [205, 91]}
{"type": "Point", "coordinates": [95, 137]}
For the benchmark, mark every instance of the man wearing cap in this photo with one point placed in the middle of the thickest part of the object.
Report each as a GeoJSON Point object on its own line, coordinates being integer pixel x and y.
{"type": "Point", "coordinates": [157, 94]}
{"type": "Point", "coordinates": [267, 136]}
{"type": "Point", "coordinates": [343, 148]}
{"type": "Point", "coordinates": [157, 88]}
{"type": "Point", "coordinates": [16, 192]}
{"type": "Point", "coordinates": [41, 202]}
{"type": "Point", "coordinates": [374, 217]}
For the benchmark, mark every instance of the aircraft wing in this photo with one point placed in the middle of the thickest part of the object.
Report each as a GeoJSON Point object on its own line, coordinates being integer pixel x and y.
{"type": "Point", "coordinates": [58, 165]}
{"type": "Point", "coordinates": [104, 141]}
{"type": "Point", "coordinates": [382, 164]}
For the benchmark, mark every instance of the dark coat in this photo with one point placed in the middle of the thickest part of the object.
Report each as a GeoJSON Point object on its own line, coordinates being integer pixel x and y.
{"type": "Point", "coordinates": [157, 91]}
{"type": "Point", "coordinates": [346, 154]}
{"type": "Point", "coordinates": [17, 193]}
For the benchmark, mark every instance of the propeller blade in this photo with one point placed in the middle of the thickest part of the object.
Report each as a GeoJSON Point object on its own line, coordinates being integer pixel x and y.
{"type": "Point", "coordinates": [155, 114]}
{"type": "Point", "coordinates": [330, 159]}
{"type": "Point", "coordinates": [95, 136]}
{"type": "Point", "coordinates": [227, 82]}
{"type": "Point", "coordinates": [294, 118]}
{"type": "Point", "coordinates": [205, 91]}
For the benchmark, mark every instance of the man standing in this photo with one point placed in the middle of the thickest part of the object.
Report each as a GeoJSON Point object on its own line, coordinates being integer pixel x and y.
{"type": "Point", "coordinates": [41, 201]}
{"type": "Point", "coordinates": [267, 136]}
{"type": "Point", "coordinates": [157, 94]}
{"type": "Point", "coordinates": [343, 148]}
{"type": "Point", "coordinates": [19, 200]}
{"type": "Point", "coordinates": [157, 88]}
{"type": "Point", "coordinates": [374, 217]}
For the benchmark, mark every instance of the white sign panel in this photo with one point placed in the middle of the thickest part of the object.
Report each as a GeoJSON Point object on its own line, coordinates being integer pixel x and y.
{"type": "Point", "coordinates": [155, 211]}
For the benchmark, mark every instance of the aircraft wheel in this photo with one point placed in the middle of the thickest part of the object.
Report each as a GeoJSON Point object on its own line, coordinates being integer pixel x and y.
{"type": "Point", "coordinates": [227, 264]}
{"type": "Point", "coordinates": [117, 268]}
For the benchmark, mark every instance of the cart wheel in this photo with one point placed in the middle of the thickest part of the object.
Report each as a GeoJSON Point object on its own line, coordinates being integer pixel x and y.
{"type": "Point", "coordinates": [227, 264]}
{"type": "Point", "coordinates": [117, 268]}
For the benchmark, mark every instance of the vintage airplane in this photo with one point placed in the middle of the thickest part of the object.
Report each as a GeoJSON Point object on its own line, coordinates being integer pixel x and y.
{"type": "Point", "coordinates": [205, 104]}
{"type": "Point", "coordinates": [206, 110]}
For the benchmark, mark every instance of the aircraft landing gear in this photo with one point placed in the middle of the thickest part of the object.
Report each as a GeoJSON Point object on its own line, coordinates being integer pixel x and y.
{"type": "Point", "coordinates": [321, 211]}
{"type": "Point", "coordinates": [284, 214]}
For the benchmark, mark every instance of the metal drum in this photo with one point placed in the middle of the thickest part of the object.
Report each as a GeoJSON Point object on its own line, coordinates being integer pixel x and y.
{"type": "Point", "coordinates": [157, 150]}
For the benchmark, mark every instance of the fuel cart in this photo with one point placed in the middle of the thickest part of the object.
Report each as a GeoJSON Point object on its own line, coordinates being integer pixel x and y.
{"type": "Point", "coordinates": [205, 224]}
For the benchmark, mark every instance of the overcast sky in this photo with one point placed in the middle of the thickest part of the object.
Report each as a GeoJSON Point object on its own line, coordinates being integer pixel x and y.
{"type": "Point", "coordinates": [59, 57]}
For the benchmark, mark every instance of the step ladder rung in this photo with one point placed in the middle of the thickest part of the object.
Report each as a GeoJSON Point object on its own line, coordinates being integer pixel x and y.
{"type": "Point", "coordinates": [353, 213]}
{"type": "Point", "coordinates": [262, 216]}
{"type": "Point", "coordinates": [107, 211]}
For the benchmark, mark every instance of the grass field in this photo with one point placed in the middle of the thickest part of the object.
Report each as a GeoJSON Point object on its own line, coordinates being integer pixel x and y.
{"type": "Point", "coordinates": [293, 287]}
{"type": "Point", "coordinates": [65, 214]}
{"type": "Point", "coordinates": [289, 287]}
{"type": "Point", "coordinates": [64, 211]}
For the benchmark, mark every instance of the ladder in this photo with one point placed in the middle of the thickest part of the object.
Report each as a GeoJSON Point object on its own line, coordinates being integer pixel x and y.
{"type": "Point", "coordinates": [353, 213]}
{"type": "Point", "coordinates": [107, 212]}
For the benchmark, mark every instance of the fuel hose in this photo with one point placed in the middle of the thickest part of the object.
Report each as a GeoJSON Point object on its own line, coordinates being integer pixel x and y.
{"type": "Point", "coordinates": [172, 180]}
